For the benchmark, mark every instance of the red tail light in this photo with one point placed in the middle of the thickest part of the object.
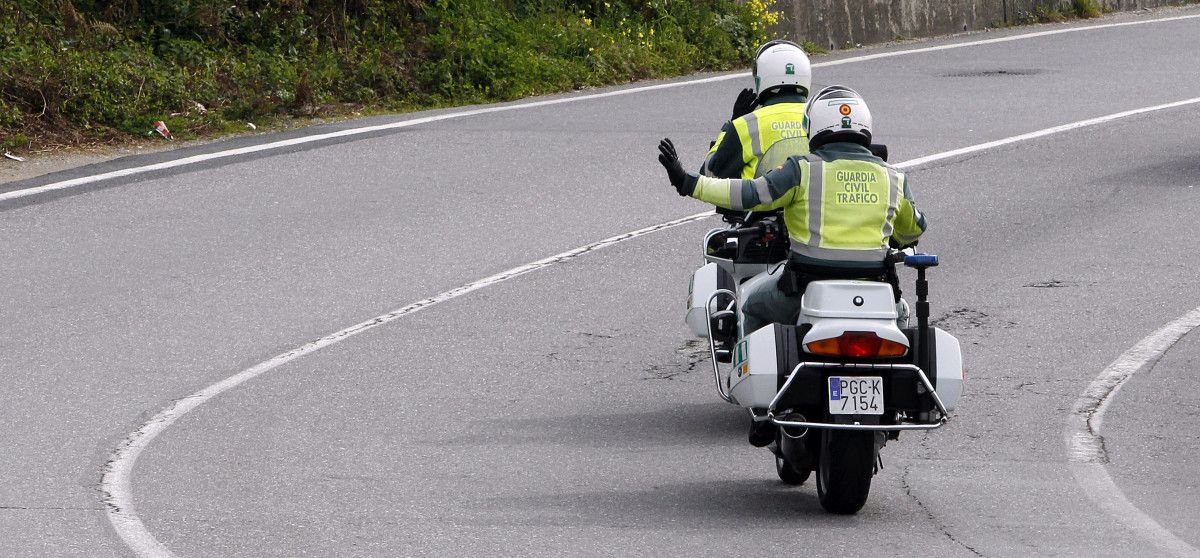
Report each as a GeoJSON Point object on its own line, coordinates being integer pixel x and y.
{"type": "Point", "coordinates": [857, 344]}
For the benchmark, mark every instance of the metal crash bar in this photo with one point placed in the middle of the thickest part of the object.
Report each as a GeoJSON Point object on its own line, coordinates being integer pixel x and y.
{"type": "Point", "coordinates": [874, 427]}
{"type": "Point", "coordinates": [712, 344]}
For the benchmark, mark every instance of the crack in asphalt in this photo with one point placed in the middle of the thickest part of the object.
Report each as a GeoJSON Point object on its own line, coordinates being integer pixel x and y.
{"type": "Point", "coordinates": [908, 490]}
{"type": "Point", "coordinates": [696, 352]}
{"type": "Point", "coordinates": [968, 318]}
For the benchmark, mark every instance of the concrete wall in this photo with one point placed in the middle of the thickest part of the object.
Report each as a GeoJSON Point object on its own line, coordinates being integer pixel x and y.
{"type": "Point", "coordinates": [833, 23]}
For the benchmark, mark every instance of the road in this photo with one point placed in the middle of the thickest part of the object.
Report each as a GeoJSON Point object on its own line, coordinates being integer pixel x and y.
{"type": "Point", "coordinates": [565, 410]}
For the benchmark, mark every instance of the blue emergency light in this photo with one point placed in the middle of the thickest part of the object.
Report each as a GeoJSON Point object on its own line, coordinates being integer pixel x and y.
{"type": "Point", "coordinates": [921, 260]}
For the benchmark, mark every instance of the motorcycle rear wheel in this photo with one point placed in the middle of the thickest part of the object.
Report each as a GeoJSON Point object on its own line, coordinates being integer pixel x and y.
{"type": "Point", "coordinates": [844, 470]}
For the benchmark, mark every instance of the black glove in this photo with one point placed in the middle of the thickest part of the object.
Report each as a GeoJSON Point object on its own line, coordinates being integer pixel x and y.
{"type": "Point", "coordinates": [744, 104]}
{"type": "Point", "coordinates": [683, 181]}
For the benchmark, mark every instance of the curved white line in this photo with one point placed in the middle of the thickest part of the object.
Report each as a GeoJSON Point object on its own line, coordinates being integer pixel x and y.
{"type": "Point", "coordinates": [75, 182]}
{"type": "Point", "coordinates": [1086, 446]}
{"type": "Point", "coordinates": [115, 480]}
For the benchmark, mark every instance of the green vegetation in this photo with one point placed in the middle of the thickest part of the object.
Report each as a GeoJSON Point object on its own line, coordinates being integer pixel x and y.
{"type": "Point", "coordinates": [813, 48]}
{"type": "Point", "coordinates": [1059, 12]}
{"type": "Point", "coordinates": [1042, 14]}
{"type": "Point", "coordinates": [75, 71]}
{"type": "Point", "coordinates": [1086, 8]}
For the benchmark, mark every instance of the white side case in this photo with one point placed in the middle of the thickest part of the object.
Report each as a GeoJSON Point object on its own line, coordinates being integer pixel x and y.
{"type": "Point", "coordinates": [754, 380]}
{"type": "Point", "coordinates": [949, 368]}
{"type": "Point", "coordinates": [704, 283]}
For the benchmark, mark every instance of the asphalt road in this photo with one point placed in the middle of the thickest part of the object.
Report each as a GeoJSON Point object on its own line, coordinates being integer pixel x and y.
{"type": "Point", "coordinates": [566, 411]}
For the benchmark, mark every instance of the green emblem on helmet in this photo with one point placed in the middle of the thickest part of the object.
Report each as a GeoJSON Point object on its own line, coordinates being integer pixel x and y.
{"type": "Point", "coordinates": [845, 122]}
{"type": "Point", "coordinates": [790, 69]}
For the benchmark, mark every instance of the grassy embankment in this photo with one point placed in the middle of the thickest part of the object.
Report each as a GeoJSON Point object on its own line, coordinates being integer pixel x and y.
{"type": "Point", "coordinates": [78, 72]}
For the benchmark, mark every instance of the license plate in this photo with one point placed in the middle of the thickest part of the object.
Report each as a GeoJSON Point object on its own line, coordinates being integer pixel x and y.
{"type": "Point", "coordinates": [856, 395]}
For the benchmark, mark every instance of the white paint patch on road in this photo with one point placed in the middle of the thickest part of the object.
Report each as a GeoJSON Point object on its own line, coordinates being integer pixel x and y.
{"type": "Point", "coordinates": [115, 482]}
{"type": "Point", "coordinates": [1086, 445]}
{"type": "Point", "coordinates": [195, 159]}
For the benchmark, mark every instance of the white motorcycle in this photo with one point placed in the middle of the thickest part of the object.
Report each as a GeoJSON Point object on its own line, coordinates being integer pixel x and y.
{"type": "Point", "coordinates": [847, 376]}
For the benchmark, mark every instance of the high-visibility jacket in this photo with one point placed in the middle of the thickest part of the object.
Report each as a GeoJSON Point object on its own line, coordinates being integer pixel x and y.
{"type": "Point", "coordinates": [743, 142]}
{"type": "Point", "coordinates": [841, 204]}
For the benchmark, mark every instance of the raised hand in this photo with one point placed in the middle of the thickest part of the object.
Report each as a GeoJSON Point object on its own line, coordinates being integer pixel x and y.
{"type": "Point", "coordinates": [744, 104]}
{"type": "Point", "coordinates": [683, 183]}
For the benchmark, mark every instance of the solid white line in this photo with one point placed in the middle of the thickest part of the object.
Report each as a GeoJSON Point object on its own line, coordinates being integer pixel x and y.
{"type": "Point", "coordinates": [1009, 38]}
{"type": "Point", "coordinates": [75, 182]}
{"type": "Point", "coordinates": [115, 481]}
{"type": "Point", "coordinates": [1086, 446]}
{"type": "Point", "coordinates": [920, 161]}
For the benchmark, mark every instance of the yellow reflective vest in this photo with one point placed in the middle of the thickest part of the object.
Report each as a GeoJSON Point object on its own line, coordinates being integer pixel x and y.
{"type": "Point", "coordinates": [762, 130]}
{"type": "Point", "coordinates": [840, 203]}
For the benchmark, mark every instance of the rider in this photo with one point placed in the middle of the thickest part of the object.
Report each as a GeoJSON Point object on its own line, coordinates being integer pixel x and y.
{"type": "Point", "coordinates": [842, 206]}
{"type": "Point", "coordinates": [782, 79]}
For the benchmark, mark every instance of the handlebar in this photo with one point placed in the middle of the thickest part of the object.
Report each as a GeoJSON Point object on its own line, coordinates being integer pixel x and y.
{"type": "Point", "coordinates": [897, 255]}
{"type": "Point", "coordinates": [748, 231]}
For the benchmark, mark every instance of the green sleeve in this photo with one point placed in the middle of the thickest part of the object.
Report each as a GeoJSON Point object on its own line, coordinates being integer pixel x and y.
{"type": "Point", "coordinates": [909, 223]}
{"type": "Point", "coordinates": [764, 193]}
{"type": "Point", "coordinates": [724, 159]}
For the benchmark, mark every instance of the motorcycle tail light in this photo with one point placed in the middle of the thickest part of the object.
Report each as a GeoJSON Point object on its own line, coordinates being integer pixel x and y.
{"type": "Point", "coordinates": [856, 344]}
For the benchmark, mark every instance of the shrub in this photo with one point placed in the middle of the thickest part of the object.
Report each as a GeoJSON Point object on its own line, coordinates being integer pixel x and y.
{"type": "Point", "coordinates": [102, 68]}
{"type": "Point", "coordinates": [813, 48]}
{"type": "Point", "coordinates": [1048, 14]}
{"type": "Point", "coordinates": [1086, 8]}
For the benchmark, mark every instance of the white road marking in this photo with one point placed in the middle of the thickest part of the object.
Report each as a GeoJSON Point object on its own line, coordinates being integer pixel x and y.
{"type": "Point", "coordinates": [1086, 445]}
{"type": "Point", "coordinates": [920, 161]}
{"type": "Point", "coordinates": [115, 482]}
{"type": "Point", "coordinates": [83, 180]}
{"type": "Point", "coordinates": [1005, 39]}
{"type": "Point", "coordinates": [115, 479]}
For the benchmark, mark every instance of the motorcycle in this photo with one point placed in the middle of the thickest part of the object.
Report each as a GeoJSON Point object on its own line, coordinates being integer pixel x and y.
{"type": "Point", "coordinates": [842, 380]}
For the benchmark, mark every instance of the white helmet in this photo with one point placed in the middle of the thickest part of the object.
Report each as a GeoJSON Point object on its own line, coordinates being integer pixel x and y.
{"type": "Point", "coordinates": [780, 63]}
{"type": "Point", "coordinates": [837, 113]}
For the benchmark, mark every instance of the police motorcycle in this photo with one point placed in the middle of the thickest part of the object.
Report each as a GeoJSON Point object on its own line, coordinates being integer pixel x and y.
{"type": "Point", "coordinates": [845, 378]}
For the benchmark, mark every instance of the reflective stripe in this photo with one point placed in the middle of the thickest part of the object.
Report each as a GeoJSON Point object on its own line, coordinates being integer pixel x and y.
{"type": "Point", "coordinates": [816, 193]}
{"type": "Point", "coordinates": [893, 203]}
{"type": "Point", "coordinates": [833, 254]}
{"type": "Point", "coordinates": [764, 192]}
{"type": "Point", "coordinates": [735, 194]}
{"type": "Point", "coordinates": [752, 129]}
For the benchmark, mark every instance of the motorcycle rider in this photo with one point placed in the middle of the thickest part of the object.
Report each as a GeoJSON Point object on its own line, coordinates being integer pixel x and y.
{"type": "Point", "coordinates": [782, 79]}
{"type": "Point", "coordinates": [767, 125]}
{"type": "Point", "coordinates": [842, 206]}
